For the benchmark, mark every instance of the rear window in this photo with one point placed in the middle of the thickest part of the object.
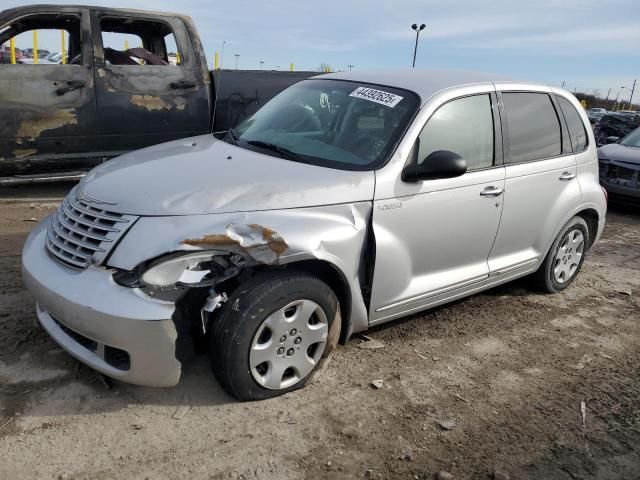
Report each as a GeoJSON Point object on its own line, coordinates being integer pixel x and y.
{"type": "Point", "coordinates": [576, 128]}
{"type": "Point", "coordinates": [533, 125]}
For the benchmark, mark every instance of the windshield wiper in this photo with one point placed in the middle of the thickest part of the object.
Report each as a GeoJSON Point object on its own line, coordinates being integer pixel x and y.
{"type": "Point", "coordinates": [284, 152]}
{"type": "Point", "coordinates": [233, 136]}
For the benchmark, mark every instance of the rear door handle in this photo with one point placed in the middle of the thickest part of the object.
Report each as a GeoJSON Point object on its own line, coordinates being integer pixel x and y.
{"type": "Point", "coordinates": [182, 85]}
{"type": "Point", "coordinates": [566, 176]}
{"type": "Point", "coordinates": [492, 192]}
{"type": "Point", "coordinates": [71, 85]}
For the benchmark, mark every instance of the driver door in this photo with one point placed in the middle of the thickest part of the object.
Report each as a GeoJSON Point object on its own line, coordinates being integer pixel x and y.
{"type": "Point", "coordinates": [433, 237]}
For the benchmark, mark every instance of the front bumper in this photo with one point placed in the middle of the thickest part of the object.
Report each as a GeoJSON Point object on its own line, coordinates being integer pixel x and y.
{"type": "Point", "coordinates": [115, 330]}
{"type": "Point", "coordinates": [621, 189]}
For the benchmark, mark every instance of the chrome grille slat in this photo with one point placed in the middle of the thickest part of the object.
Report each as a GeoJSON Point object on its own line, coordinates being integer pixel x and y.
{"type": "Point", "coordinates": [80, 234]}
{"type": "Point", "coordinates": [64, 223]}
{"type": "Point", "coordinates": [52, 246]}
{"type": "Point", "coordinates": [99, 213]}
{"type": "Point", "coordinates": [73, 216]}
{"type": "Point", "coordinates": [71, 239]}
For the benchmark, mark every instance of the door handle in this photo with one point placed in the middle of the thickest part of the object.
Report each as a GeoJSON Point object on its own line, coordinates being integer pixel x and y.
{"type": "Point", "coordinates": [492, 192]}
{"type": "Point", "coordinates": [566, 176]}
{"type": "Point", "coordinates": [71, 85]}
{"type": "Point", "coordinates": [182, 84]}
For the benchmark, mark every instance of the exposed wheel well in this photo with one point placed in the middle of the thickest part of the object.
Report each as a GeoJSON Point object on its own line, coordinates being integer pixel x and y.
{"type": "Point", "coordinates": [591, 217]}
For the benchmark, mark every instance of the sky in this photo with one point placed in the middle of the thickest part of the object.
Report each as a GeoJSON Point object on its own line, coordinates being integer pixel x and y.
{"type": "Point", "coordinates": [588, 44]}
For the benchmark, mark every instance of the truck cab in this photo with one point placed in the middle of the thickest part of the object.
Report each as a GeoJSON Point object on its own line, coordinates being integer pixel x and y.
{"type": "Point", "coordinates": [127, 79]}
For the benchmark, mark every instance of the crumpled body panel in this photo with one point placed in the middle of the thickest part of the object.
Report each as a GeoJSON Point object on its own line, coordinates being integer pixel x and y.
{"type": "Point", "coordinates": [334, 234]}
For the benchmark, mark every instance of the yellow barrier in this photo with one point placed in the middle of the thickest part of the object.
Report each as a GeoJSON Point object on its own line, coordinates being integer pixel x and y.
{"type": "Point", "coordinates": [291, 67]}
{"type": "Point", "coordinates": [216, 61]}
{"type": "Point", "coordinates": [63, 48]}
{"type": "Point", "coordinates": [35, 47]}
{"type": "Point", "coordinates": [12, 46]}
{"type": "Point", "coordinates": [126, 44]}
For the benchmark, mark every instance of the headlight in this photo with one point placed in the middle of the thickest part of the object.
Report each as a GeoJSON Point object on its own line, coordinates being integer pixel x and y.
{"type": "Point", "coordinates": [189, 269]}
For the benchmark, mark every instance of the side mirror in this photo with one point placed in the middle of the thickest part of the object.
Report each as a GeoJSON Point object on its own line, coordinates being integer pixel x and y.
{"type": "Point", "coordinates": [613, 139]}
{"type": "Point", "coordinates": [439, 164]}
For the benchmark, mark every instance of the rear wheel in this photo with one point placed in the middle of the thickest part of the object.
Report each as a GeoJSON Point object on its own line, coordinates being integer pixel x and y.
{"type": "Point", "coordinates": [565, 257]}
{"type": "Point", "coordinates": [272, 334]}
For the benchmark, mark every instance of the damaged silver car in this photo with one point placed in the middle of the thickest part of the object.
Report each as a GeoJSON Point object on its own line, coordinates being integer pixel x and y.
{"type": "Point", "coordinates": [349, 200]}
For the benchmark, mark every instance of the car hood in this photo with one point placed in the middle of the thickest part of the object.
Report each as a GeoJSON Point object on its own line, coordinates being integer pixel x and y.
{"type": "Point", "coordinates": [619, 153]}
{"type": "Point", "coordinates": [203, 175]}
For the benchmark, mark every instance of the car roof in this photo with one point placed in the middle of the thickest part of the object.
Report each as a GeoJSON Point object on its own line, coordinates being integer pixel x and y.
{"type": "Point", "coordinates": [423, 82]}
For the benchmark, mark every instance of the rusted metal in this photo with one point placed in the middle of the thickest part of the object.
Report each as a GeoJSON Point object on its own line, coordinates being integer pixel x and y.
{"type": "Point", "coordinates": [260, 243]}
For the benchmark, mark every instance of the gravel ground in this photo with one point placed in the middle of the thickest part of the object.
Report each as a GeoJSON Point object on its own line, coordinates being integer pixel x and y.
{"type": "Point", "coordinates": [488, 387]}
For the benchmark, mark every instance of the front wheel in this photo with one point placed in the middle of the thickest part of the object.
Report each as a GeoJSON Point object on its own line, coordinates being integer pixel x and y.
{"type": "Point", "coordinates": [272, 334]}
{"type": "Point", "coordinates": [565, 258]}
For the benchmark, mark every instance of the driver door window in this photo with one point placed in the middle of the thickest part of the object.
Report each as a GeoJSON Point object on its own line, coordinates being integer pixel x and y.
{"type": "Point", "coordinates": [463, 126]}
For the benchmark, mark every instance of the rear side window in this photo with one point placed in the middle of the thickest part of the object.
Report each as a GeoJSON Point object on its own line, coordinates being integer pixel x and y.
{"type": "Point", "coordinates": [534, 127]}
{"type": "Point", "coordinates": [576, 128]}
{"type": "Point", "coordinates": [463, 126]}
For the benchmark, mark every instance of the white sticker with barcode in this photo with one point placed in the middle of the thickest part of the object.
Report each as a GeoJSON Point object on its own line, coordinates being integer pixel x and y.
{"type": "Point", "coordinates": [378, 96]}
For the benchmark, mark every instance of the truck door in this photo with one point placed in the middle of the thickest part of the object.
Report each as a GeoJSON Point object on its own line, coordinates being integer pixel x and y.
{"type": "Point", "coordinates": [47, 110]}
{"type": "Point", "coordinates": [152, 85]}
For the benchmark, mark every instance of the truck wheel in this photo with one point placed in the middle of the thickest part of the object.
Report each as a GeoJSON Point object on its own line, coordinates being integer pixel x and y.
{"type": "Point", "coordinates": [565, 257]}
{"type": "Point", "coordinates": [272, 334]}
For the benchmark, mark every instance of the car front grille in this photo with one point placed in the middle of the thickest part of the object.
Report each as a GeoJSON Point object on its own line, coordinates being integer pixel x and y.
{"type": "Point", "coordinates": [80, 234]}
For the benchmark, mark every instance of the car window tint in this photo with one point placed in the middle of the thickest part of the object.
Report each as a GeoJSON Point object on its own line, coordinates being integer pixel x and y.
{"type": "Point", "coordinates": [576, 128]}
{"type": "Point", "coordinates": [534, 128]}
{"type": "Point", "coordinates": [463, 126]}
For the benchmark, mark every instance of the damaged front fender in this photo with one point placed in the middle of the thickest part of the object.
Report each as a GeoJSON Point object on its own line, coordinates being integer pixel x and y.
{"type": "Point", "coordinates": [334, 234]}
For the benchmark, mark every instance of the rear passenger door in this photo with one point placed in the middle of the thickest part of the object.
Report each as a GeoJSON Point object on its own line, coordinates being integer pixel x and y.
{"type": "Point", "coordinates": [541, 186]}
{"type": "Point", "coordinates": [151, 85]}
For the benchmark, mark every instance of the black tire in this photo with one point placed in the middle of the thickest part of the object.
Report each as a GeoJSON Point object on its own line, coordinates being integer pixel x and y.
{"type": "Point", "coordinates": [232, 334]}
{"type": "Point", "coordinates": [544, 278]}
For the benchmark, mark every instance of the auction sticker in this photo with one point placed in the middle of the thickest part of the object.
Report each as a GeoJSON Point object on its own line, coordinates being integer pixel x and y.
{"type": "Point", "coordinates": [378, 96]}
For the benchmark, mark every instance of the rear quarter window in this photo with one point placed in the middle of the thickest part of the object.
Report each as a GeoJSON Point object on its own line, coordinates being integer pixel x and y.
{"type": "Point", "coordinates": [577, 131]}
{"type": "Point", "coordinates": [533, 125]}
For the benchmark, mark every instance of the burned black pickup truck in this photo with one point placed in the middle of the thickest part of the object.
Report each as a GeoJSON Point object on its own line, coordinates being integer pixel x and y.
{"type": "Point", "coordinates": [101, 100]}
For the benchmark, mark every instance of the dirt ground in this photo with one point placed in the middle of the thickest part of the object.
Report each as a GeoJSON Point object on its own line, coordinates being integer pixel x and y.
{"type": "Point", "coordinates": [489, 387]}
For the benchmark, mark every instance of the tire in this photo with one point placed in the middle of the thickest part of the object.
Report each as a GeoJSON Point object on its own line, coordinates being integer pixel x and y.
{"type": "Point", "coordinates": [565, 257]}
{"type": "Point", "coordinates": [257, 323]}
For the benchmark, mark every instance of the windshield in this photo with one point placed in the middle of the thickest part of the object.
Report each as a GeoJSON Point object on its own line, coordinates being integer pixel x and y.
{"type": "Point", "coordinates": [333, 123]}
{"type": "Point", "coordinates": [632, 140]}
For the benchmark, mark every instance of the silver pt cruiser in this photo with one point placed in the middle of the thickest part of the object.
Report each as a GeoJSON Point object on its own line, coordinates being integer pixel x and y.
{"type": "Point", "coordinates": [349, 200]}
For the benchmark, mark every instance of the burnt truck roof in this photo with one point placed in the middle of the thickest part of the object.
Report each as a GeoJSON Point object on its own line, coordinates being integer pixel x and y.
{"type": "Point", "coordinates": [46, 7]}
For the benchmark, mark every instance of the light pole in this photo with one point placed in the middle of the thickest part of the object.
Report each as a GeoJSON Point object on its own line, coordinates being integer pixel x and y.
{"type": "Point", "coordinates": [237, 55]}
{"type": "Point", "coordinates": [417, 29]}
{"type": "Point", "coordinates": [631, 95]}
{"type": "Point", "coordinates": [622, 101]}
{"type": "Point", "coordinates": [615, 103]}
{"type": "Point", "coordinates": [261, 63]}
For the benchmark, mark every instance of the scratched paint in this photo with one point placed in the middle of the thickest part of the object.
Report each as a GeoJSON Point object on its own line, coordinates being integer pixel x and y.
{"type": "Point", "coordinates": [31, 128]}
{"type": "Point", "coordinates": [24, 152]}
{"type": "Point", "coordinates": [150, 102]}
